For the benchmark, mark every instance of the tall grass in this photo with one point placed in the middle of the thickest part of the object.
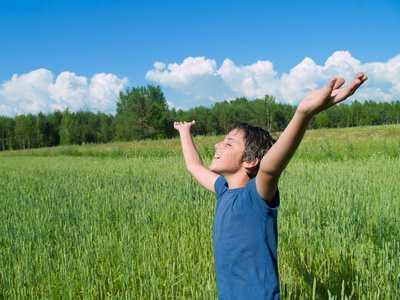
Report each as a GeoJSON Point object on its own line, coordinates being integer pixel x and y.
{"type": "Point", "coordinates": [85, 228]}
{"type": "Point", "coordinates": [139, 227]}
{"type": "Point", "coordinates": [339, 229]}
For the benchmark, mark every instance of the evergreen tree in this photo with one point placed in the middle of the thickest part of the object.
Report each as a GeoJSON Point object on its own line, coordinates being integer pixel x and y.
{"type": "Point", "coordinates": [68, 132]}
{"type": "Point", "coordinates": [53, 127]}
{"type": "Point", "coordinates": [141, 114]}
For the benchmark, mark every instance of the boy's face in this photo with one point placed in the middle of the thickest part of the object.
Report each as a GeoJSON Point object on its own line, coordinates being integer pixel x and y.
{"type": "Point", "coordinates": [228, 154]}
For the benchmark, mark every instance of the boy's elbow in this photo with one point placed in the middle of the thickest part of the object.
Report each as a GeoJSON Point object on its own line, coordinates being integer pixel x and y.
{"type": "Point", "coordinates": [193, 169]}
{"type": "Point", "coordinates": [190, 170]}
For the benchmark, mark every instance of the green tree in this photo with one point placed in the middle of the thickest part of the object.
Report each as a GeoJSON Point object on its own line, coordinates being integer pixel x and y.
{"type": "Point", "coordinates": [357, 112]}
{"type": "Point", "coordinates": [67, 128]}
{"type": "Point", "coordinates": [53, 128]}
{"type": "Point", "coordinates": [10, 141]}
{"type": "Point", "coordinates": [31, 131]}
{"type": "Point", "coordinates": [205, 120]}
{"type": "Point", "coordinates": [4, 131]}
{"type": "Point", "coordinates": [322, 120]}
{"type": "Point", "coordinates": [20, 132]}
{"type": "Point", "coordinates": [396, 108]}
{"type": "Point", "coordinates": [347, 115]}
{"type": "Point", "coordinates": [85, 127]}
{"type": "Point", "coordinates": [7, 126]}
{"type": "Point", "coordinates": [225, 118]}
{"type": "Point", "coordinates": [266, 113]}
{"type": "Point", "coordinates": [141, 113]}
{"type": "Point", "coordinates": [171, 117]}
{"type": "Point", "coordinates": [42, 130]}
{"type": "Point", "coordinates": [106, 130]}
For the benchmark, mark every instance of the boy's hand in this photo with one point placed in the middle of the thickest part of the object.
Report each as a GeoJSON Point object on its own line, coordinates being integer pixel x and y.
{"type": "Point", "coordinates": [193, 160]}
{"type": "Point", "coordinates": [328, 96]}
{"type": "Point", "coordinates": [277, 158]}
{"type": "Point", "coordinates": [182, 125]}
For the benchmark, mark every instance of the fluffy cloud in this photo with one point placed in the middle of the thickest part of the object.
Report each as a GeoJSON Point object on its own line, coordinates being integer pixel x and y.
{"type": "Point", "coordinates": [69, 91]}
{"type": "Point", "coordinates": [251, 81]}
{"type": "Point", "coordinates": [28, 92]}
{"type": "Point", "coordinates": [201, 78]}
{"type": "Point", "coordinates": [104, 90]}
{"type": "Point", "coordinates": [38, 91]}
{"type": "Point", "coordinates": [196, 78]}
{"type": "Point", "coordinates": [182, 76]}
{"type": "Point", "coordinates": [200, 81]}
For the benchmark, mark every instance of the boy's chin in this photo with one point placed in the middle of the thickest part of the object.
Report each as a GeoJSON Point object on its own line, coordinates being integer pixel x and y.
{"type": "Point", "coordinates": [216, 170]}
{"type": "Point", "coordinates": [213, 168]}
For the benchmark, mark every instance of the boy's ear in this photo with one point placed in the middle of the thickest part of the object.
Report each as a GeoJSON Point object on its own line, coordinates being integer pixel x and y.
{"type": "Point", "coordinates": [251, 163]}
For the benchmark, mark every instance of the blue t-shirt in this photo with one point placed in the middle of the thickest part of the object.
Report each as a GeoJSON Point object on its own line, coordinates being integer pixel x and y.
{"type": "Point", "coordinates": [245, 243]}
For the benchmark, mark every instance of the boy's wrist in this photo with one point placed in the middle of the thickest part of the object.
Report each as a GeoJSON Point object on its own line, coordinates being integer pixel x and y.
{"type": "Point", "coordinates": [184, 130]}
{"type": "Point", "coordinates": [302, 116]}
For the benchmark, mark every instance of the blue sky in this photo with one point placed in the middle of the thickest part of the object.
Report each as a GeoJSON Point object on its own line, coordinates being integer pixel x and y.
{"type": "Point", "coordinates": [79, 54]}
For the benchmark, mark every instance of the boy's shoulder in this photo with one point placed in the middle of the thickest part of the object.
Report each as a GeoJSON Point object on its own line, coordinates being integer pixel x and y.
{"type": "Point", "coordinates": [243, 201]}
{"type": "Point", "coordinates": [220, 186]}
{"type": "Point", "coordinates": [248, 193]}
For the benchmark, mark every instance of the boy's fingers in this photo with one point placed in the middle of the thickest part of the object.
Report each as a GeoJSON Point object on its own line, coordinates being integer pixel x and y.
{"type": "Point", "coordinates": [339, 82]}
{"type": "Point", "coordinates": [358, 81]}
{"type": "Point", "coordinates": [332, 82]}
{"type": "Point", "coordinates": [327, 91]}
{"type": "Point", "coordinates": [361, 76]}
{"type": "Point", "coordinates": [184, 122]}
{"type": "Point", "coordinates": [351, 88]}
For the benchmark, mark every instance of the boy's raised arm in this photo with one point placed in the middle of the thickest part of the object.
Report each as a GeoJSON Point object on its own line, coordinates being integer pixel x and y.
{"type": "Point", "coordinates": [277, 158]}
{"type": "Point", "coordinates": [193, 161]}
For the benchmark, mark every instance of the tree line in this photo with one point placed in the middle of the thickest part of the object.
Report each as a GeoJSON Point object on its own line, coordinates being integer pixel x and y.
{"type": "Point", "coordinates": [143, 113]}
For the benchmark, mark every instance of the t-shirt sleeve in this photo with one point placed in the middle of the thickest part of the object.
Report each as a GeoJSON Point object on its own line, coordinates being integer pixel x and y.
{"type": "Point", "coordinates": [258, 203]}
{"type": "Point", "coordinates": [220, 186]}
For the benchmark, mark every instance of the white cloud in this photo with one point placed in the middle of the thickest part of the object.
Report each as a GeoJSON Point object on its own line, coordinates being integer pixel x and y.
{"type": "Point", "coordinates": [104, 90]}
{"type": "Point", "coordinates": [38, 91]}
{"type": "Point", "coordinates": [195, 77]}
{"type": "Point", "coordinates": [26, 93]}
{"type": "Point", "coordinates": [69, 91]}
{"type": "Point", "coordinates": [386, 75]}
{"type": "Point", "coordinates": [184, 75]}
{"type": "Point", "coordinates": [341, 61]}
{"type": "Point", "coordinates": [5, 110]}
{"type": "Point", "coordinates": [159, 65]}
{"type": "Point", "coordinates": [200, 77]}
{"type": "Point", "coordinates": [200, 81]}
{"type": "Point", "coordinates": [251, 81]}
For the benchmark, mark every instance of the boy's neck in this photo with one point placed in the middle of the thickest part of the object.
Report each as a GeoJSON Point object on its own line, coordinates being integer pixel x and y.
{"type": "Point", "coordinates": [237, 180]}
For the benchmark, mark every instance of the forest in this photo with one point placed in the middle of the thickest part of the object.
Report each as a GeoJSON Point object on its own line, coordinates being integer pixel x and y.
{"type": "Point", "coordinates": [143, 113]}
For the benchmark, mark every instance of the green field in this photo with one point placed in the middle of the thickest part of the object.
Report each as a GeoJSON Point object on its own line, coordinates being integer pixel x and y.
{"type": "Point", "coordinates": [126, 221]}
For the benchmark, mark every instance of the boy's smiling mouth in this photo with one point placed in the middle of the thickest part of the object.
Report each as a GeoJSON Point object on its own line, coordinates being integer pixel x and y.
{"type": "Point", "coordinates": [217, 156]}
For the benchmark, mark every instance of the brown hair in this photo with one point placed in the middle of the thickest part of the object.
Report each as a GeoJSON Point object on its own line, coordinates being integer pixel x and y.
{"type": "Point", "coordinates": [257, 142]}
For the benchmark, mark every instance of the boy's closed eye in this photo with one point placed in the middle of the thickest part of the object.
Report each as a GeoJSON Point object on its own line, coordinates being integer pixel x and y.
{"type": "Point", "coordinates": [230, 142]}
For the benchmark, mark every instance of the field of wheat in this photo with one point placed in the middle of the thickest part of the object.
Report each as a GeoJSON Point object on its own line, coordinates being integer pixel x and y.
{"type": "Point", "coordinates": [137, 226]}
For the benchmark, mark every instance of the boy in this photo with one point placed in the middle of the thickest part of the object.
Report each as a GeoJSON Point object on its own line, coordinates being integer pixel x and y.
{"type": "Point", "coordinates": [244, 176]}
